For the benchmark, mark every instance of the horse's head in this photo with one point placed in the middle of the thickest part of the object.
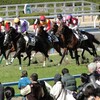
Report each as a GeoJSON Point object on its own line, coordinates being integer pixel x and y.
{"type": "Point", "coordinates": [54, 27]}
{"type": "Point", "coordinates": [41, 32]}
{"type": "Point", "coordinates": [9, 36]}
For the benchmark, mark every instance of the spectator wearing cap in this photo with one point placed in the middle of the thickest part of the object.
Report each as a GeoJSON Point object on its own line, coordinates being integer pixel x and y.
{"type": "Point", "coordinates": [68, 80]}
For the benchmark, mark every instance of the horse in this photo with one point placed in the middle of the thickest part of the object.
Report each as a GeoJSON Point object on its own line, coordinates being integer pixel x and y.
{"type": "Point", "coordinates": [48, 43]}
{"type": "Point", "coordinates": [2, 47]}
{"type": "Point", "coordinates": [71, 42]}
{"type": "Point", "coordinates": [20, 45]}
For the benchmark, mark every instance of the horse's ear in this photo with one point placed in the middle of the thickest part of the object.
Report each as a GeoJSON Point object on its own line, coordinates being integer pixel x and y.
{"type": "Point", "coordinates": [54, 22]}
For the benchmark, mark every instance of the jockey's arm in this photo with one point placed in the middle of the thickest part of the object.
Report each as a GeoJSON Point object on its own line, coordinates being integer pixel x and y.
{"type": "Point", "coordinates": [48, 25]}
{"type": "Point", "coordinates": [24, 27]}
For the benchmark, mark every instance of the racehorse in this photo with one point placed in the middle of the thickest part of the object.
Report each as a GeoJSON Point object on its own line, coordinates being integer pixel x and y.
{"type": "Point", "coordinates": [48, 43]}
{"type": "Point", "coordinates": [20, 45]}
{"type": "Point", "coordinates": [2, 47]}
{"type": "Point", "coordinates": [71, 42]}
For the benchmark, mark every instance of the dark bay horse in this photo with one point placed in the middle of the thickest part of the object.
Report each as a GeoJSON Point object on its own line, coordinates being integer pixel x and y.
{"type": "Point", "coordinates": [2, 47]}
{"type": "Point", "coordinates": [48, 43]}
{"type": "Point", "coordinates": [71, 42]}
{"type": "Point", "coordinates": [20, 45]}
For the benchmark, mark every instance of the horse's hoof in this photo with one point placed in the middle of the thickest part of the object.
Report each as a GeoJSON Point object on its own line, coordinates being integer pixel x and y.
{"type": "Point", "coordinates": [7, 64]}
{"type": "Point", "coordinates": [59, 64]}
{"type": "Point", "coordinates": [20, 68]}
{"type": "Point", "coordinates": [34, 62]}
{"type": "Point", "coordinates": [51, 60]}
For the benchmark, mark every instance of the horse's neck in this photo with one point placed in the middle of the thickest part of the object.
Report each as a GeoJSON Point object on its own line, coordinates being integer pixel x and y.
{"type": "Point", "coordinates": [16, 36]}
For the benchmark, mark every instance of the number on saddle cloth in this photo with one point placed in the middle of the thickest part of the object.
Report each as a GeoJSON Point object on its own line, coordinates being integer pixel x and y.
{"type": "Point", "coordinates": [32, 41]}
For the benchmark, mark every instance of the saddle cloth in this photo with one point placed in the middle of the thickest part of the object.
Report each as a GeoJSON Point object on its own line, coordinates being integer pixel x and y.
{"type": "Point", "coordinates": [83, 37]}
{"type": "Point", "coordinates": [32, 41]}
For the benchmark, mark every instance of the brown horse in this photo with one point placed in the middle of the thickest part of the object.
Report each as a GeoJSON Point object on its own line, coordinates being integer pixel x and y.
{"type": "Point", "coordinates": [71, 42]}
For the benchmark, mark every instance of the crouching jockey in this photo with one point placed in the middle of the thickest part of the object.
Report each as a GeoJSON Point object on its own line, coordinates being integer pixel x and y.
{"type": "Point", "coordinates": [22, 26]}
{"type": "Point", "coordinates": [47, 27]}
{"type": "Point", "coordinates": [72, 23]}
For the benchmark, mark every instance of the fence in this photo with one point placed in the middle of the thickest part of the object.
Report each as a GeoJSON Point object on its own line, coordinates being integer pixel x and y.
{"type": "Point", "coordinates": [43, 79]}
{"type": "Point", "coordinates": [52, 8]}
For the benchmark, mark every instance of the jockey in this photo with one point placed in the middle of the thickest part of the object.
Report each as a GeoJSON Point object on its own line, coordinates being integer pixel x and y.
{"type": "Point", "coordinates": [47, 25]}
{"type": "Point", "coordinates": [72, 23]}
{"type": "Point", "coordinates": [22, 26]}
{"type": "Point", "coordinates": [7, 25]}
{"type": "Point", "coordinates": [2, 27]}
{"type": "Point", "coordinates": [59, 19]}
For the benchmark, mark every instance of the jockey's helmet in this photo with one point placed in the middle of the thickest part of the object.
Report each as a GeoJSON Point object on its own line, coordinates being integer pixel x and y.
{"type": "Point", "coordinates": [16, 20]}
{"type": "Point", "coordinates": [7, 22]}
{"type": "Point", "coordinates": [59, 16]}
{"type": "Point", "coordinates": [68, 17]}
{"type": "Point", "coordinates": [1, 19]}
{"type": "Point", "coordinates": [42, 18]}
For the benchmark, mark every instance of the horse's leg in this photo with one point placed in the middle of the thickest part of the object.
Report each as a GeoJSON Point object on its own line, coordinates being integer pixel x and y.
{"type": "Point", "coordinates": [71, 54]}
{"type": "Point", "coordinates": [57, 48]}
{"type": "Point", "coordinates": [19, 58]}
{"type": "Point", "coordinates": [77, 57]}
{"type": "Point", "coordinates": [16, 54]}
{"type": "Point", "coordinates": [34, 55]}
{"type": "Point", "coordinates": [64, 53]}
{"type": "Point", "coordinates": [29, 56]}
{"type": "Point", "coordinates": [82, 55]}
{"type": "Point", "coordinates": [4, 54]}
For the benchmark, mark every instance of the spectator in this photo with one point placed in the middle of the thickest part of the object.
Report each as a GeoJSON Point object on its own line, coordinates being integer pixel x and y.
{"type": "Point", "coordinates": [9, 93]}
{"type": "Point", "coordinates": [96, 59]}
{"type": "Point", "coordinates": [98, 73]}
{"type": "Point", "coordinates": [58, 92]}
{"type": "Point", "coordinates": [93, 73]}
{"type": "Point", "coordinates": [1, 92]}
{"type": "Point", "coordinates": [68, 80]}
{"type": "Point", "coordinates": [46, 91]}
{"type": "Point", "coordinates": [85, 80]}
{"type": "Point", "coordinates": [89, 93]}
{"type": "Point", "coordinates": [97, 94]}
{"type": "Point", "coordinates": [23, 82]}
{"type": "Point", "coordinates": [36, 90]}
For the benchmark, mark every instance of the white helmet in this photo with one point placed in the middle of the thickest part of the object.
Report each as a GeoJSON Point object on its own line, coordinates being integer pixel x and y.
{"type": "Point", "coordinates": [1, 19]}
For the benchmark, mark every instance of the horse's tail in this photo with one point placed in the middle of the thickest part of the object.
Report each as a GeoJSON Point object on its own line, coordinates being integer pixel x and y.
{"type": "Point", "coordinates": [92, 37]}
{"type": "Point", "coordinates": [96, 41]}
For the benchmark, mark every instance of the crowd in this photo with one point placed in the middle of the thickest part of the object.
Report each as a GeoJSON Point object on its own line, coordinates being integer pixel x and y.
{"type": "Point", "coordinates": [64, 88]}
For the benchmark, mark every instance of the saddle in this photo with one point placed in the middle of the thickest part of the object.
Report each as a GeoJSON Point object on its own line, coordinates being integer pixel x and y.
{"type": "Point", "coordinates": [81, 37]}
